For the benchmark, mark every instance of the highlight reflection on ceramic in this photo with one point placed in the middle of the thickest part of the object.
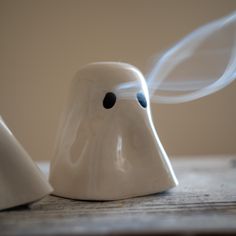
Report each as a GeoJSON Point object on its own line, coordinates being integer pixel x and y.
{"type": "Point", "coordinates": [107, 147]}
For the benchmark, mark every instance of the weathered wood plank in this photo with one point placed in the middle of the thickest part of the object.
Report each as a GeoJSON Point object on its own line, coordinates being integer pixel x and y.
{"type": "Point", "coordinates": [205, 201]}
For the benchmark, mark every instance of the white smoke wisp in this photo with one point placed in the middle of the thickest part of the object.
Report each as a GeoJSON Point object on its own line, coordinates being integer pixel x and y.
{"type": "Point", "coordinates": [200, 64]}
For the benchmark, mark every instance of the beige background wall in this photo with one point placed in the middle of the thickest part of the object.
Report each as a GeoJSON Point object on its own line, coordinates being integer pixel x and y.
{"type": "Point", "coordinates": [43, 43]}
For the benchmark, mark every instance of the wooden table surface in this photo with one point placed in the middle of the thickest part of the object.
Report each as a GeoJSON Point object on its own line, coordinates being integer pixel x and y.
{"type": "Point", "coordinates": [204, 202]}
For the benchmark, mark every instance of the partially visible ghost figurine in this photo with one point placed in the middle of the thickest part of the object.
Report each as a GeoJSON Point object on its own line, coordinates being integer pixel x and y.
{"type": "Point", "coordinates": [107, 147]}
{"type": "Point", "coordinates": [21, 181]}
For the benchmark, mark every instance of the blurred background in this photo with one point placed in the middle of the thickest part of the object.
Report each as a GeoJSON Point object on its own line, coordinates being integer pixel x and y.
{"type": "Point", "coordinates": [43, 43]}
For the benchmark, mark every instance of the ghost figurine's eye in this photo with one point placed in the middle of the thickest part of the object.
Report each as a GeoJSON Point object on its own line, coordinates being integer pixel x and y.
{"type": "Point", "coordinates": [141, 99]}
{"type": "Point", "coordinates": [109, 100]}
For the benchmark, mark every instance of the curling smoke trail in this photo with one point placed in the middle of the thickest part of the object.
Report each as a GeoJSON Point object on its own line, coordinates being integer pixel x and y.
{"type": "Point", "coordinates": [200, 64]}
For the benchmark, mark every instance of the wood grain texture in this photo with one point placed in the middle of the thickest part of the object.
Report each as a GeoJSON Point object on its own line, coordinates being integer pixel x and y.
{"type": "Point", "coordinates": [204, 202]}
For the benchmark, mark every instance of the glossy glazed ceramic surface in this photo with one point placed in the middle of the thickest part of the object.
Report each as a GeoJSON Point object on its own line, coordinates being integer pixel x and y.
{"type": "Point", "coordinates": [108, 154]}
{"type": "Point", "coordinates": [21, 181]}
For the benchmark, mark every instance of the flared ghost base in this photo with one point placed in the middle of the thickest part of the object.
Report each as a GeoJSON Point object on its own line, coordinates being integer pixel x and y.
{"type": "Point", "coordinates": [108, 151]}
{"type": "Point", "coordinates": [106, 190]}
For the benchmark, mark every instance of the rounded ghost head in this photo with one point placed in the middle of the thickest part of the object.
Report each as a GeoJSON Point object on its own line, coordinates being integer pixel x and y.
{"type": "Point", "coordinates": [107, 147]}
{"type": "Point", "coordinates": [21, 181]}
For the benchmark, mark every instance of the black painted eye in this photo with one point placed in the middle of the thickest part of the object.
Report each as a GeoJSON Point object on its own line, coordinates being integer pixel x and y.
{"type": "Point", "coordinates": [141, 99]}
{"type": "Point", "coordinates": [109, 100]}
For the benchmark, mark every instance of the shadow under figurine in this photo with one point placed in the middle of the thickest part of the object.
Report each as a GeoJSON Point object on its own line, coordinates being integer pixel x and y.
{"type": "Point", "coordinates": [107, 146]}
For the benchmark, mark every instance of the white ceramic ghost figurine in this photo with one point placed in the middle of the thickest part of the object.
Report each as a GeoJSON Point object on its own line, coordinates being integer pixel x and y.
{"type": "Point", "coordinates": [107, 148]}
{"type": "Point", "coordinates": [21, 181]}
